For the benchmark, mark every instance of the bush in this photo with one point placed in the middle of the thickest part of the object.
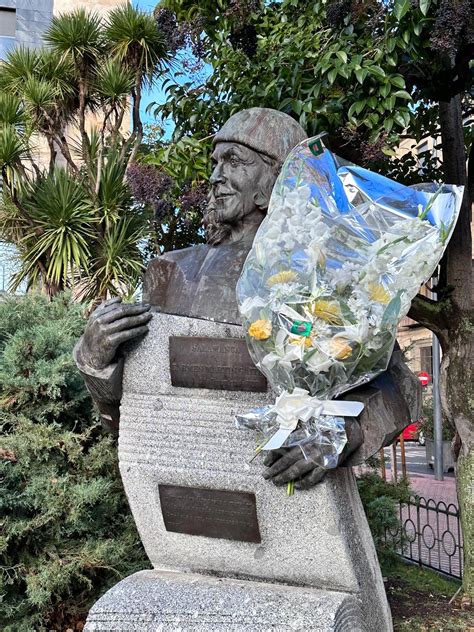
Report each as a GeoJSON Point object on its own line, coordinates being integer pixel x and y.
{"type": "Point", "coordinates": [67, 532]}
{"type": "Point", "coordinates": [380, 500]}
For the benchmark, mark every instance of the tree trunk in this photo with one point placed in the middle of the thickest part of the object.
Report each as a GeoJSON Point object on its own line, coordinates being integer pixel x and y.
{"type": "Point", "coordinates": [457, 396]}
{"type": "Point", "coordinates": [457, 374]}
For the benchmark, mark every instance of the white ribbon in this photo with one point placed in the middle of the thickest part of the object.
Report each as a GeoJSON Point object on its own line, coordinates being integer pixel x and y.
{"type": "Point", "coordinates": [299, 405]}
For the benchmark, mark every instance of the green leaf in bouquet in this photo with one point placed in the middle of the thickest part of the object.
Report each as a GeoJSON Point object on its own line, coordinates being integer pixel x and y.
{"type": "Point", "coordinates": [432, 200]}
{"type": "Point", "coordinates": [391, 243]}
{"type": "Point", "coordinates": [392, 311]}
{"type": "Point", "coordinates": [368, 362]}
{"type": "Point", "coordinates": [347, 313]}
{"type": "Point", "coordinates": [445, 231]}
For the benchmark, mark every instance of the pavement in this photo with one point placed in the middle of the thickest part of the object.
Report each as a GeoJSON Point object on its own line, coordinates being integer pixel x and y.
{"type": "Point", "coordinates": [421, 476]}
{"type": "Point", "coordinates": [432, 528]}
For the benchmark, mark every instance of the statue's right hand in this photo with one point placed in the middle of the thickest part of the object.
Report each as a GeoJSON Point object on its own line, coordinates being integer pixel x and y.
{"type": "Point", "coordinates": [110, 325]}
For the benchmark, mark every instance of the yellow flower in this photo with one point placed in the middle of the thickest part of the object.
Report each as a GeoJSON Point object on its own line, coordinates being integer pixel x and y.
{"type": "Point", "coordinates": [306, 341]}
{"type": "Point", "coordinates": [260, 329]}
{"type": "Point", "coordinates": [340, 348]}
{"type": "Point", "coordinates": [285, 276]}
{"type": "Point", "coordinates": [378, 293]}
{"type": "Point", "coordinates": [327, 310]}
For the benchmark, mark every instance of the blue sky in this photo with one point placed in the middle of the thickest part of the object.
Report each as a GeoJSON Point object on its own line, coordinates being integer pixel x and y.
{"type": "Point", "coordinates": [155, 94]}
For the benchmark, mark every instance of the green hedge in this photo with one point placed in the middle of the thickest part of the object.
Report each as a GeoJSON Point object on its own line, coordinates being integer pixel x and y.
{"type": "Point", "coordinates": [381, 501]}
{"type": "Point", "coordinates": [66, 530]}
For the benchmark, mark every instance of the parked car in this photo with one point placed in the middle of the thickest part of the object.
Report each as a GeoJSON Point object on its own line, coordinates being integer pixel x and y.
{"type": "Point", "coordinates": [413, 432]}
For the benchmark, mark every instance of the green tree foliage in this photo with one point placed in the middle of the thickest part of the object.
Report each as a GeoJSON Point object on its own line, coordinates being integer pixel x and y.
{"type": "Point", "coordinates": [365, 72]}
{"type": "Point", "coordinates": [171, 181]}
{"type": "Point", "coordinates": [75, 222]}
{"type": "Point", "coordinates": [67, 533]}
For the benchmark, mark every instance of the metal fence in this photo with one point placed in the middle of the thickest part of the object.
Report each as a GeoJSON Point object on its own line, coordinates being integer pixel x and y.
{"type": "Point", "coordinates": [431, 535]}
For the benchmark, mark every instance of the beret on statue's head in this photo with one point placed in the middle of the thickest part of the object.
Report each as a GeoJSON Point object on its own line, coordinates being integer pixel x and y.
{"type": "Point", "coordinates": [264, 130]}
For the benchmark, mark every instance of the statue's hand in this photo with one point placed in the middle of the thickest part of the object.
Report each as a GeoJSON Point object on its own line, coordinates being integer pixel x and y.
{"type": "Point", "coordinates": [110, 325]}
{"type": "Point", "coordinates": [290, 464]}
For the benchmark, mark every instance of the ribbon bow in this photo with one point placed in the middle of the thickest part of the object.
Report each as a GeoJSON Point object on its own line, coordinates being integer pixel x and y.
{"type": "Point", "coordinates": [299, 405]}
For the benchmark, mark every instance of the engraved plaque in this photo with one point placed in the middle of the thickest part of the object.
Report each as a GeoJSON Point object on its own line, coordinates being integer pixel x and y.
{"type": "Point", "coordinates": [215, 363]}
{"type": "Point", "coordinates": [213, 513]}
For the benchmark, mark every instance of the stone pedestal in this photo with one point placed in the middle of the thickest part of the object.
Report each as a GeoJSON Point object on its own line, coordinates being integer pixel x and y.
{"type": "Point", "coordinates": [305, 562]}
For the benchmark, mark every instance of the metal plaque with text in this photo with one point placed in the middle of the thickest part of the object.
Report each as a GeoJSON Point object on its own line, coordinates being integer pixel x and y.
{"type": "Point", "coordinates": [214, 363]}
{"type": "Point", "coordinates": [213, 513]}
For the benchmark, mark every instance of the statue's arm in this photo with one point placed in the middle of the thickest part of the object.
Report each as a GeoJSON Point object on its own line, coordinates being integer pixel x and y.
{"type": "Point", "coordinates": [105, 387]}
{"type": "Point", "coordinates": [97, 353]}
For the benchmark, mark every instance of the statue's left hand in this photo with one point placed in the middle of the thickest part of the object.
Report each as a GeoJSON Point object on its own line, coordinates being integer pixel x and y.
{"type": "Point", "coordinates": [290, 464]}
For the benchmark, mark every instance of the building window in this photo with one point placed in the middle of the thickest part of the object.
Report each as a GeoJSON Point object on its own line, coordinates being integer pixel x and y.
{"type": "Point", "coordinates": [7, 30]}
{"type": "Point", "coordinates": [426, 360]}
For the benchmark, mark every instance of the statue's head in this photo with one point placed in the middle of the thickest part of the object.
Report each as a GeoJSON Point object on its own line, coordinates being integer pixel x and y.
{"type": "Point", "coordinates": [249, 151]}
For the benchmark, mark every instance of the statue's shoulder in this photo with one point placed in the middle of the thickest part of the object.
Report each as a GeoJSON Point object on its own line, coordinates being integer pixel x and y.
{"type": "Point", "coordinates": [194, 254]}
{"type": "Point", "coordinates": [170, 271]}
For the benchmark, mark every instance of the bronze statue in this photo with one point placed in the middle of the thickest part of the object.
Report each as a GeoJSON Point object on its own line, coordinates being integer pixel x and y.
{"type": "Point", "coordinates": [200, 281]}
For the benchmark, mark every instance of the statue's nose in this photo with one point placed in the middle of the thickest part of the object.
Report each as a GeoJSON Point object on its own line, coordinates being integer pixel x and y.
{"type": "Point", "coordinates": [217, 175]}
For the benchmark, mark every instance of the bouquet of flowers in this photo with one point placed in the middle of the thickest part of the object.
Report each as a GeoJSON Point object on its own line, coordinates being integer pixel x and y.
{"type": "Point", "coordinates": [333, 268]}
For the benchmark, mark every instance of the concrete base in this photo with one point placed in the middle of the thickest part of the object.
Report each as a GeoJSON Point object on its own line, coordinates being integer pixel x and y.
{"type": "Point", "coordinates": [167, 601]}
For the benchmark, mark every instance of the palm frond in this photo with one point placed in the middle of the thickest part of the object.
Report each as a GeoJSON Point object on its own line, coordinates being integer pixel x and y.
{"type": "Point", "coordinates": [79, 151]}
{"type": "Point", "coordinates": [113, 81]}
{"type": "Point", "coordinates": [12, 111]}
{"type": "Point", "coordinates": [77, 35]}
{"type": "Point", "coordinates": [113, 194]}
{"type": "Point", "coordinates": [58, 70]}
{"type": "Point", "coordinates": [135, 40]}
{"type": "Point", "coordinates": [20, 62]}
{"type": "Point", "coordinates": [13, 148]}
{"type": "Point", "coordinates": [13, 221]}
{"type": "Point", "coordinates": [119, 263]}
{"type": "Point", "coordinates": [39, 96]}
{"type": "Point", "coordinates": [63, 227]}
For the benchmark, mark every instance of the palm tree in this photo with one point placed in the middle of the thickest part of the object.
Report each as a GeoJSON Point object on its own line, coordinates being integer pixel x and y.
{"type": "Point", "coordinates": [77, 225]}
{"type": "Point", "coordinates": [135, 42]}
{"type": "Point", "coordinates": [78, 38]}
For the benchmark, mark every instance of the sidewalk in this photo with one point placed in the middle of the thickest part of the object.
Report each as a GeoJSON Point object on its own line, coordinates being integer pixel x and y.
{"type": "Point", "coordinates": [432, 527]}
{"type": "Point", "coordinates": [425, 485]}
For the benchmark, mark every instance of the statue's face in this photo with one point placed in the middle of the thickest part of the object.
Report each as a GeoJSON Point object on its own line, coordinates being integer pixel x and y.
{"type": "Point", "coordinates": [234, 181]}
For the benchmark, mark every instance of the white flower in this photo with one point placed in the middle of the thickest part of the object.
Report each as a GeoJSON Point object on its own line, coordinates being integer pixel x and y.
{"type": "Point", "coordinates": [413, 228]}
{"type": "Point", "coordinates": [297, 197]}
{"type": "Point", "coordinates": [285, 354]}
{"type": "Point", "coordinates": [359, 332]}
{"type": "Point", "coordinates": [315, 253]}
{"type": "Point", "coordinates": [251, 304]}
{"type": "Point", "coordinates": [282, 293]}
{"type": "Point", "coordinates": [347, 274]}
{"type": "Point", "coordinates": [319, 362]}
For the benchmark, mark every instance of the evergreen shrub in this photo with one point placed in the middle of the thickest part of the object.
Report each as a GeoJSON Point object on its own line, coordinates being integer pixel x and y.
{"type": "Point", "coordinates": [381, 500]}
{"type": "Point", "coordinates": [66, 532]}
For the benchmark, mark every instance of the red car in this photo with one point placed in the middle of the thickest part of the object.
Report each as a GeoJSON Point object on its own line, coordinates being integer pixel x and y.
{"type": "Point", "coordinates": [413, 433]}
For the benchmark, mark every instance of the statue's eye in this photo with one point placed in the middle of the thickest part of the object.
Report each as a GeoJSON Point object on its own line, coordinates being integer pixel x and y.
{"type": "Point", "coordinates": [234, 161]}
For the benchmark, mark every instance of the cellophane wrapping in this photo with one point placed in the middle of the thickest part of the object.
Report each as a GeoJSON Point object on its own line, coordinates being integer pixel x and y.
{"type": "Point", "coordinates": [332, 271]}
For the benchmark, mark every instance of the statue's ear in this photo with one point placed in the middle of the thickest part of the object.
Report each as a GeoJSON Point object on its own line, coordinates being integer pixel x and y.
{"type": "Point", "coordinates": [265, 186]}
{"type": "Point", "coordinates": [261, 199]}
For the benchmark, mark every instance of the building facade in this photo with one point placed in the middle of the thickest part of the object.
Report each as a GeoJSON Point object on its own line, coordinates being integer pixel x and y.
{"type": "Point", "coordinates": [23, 22]}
